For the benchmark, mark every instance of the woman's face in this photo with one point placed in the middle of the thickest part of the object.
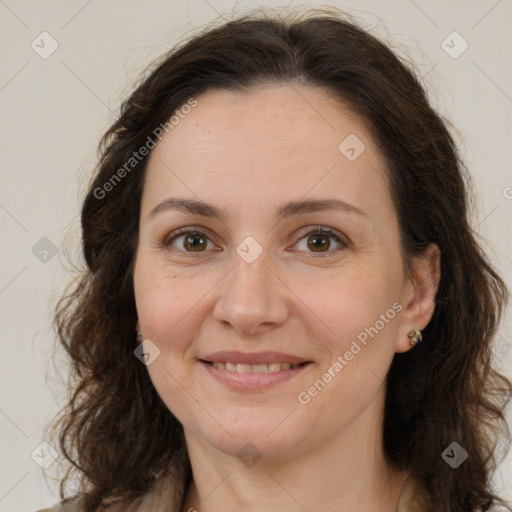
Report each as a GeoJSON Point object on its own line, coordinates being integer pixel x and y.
{"type": "Point", "coordinates": [257, 283]}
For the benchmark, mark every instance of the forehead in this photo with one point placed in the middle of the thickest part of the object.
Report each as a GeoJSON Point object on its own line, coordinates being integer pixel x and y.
{"type": "Point", "coordinates": [311, 118]}
{"type": "Point", "coordinates": [269, 142]}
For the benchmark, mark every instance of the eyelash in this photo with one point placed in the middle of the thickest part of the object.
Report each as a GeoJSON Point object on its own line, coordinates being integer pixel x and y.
{"type": "Point", "coordinates": [168, 239]}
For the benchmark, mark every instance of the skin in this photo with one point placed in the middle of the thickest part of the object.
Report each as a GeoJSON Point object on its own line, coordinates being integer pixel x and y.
{"type": "Point", "coordinates": [248, 153]}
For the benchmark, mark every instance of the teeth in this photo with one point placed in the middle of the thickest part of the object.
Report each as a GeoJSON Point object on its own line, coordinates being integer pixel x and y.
{"type": "Point", "coordinates": [259, 368]}
{"type": "Point", "coordinates": [255, 368]}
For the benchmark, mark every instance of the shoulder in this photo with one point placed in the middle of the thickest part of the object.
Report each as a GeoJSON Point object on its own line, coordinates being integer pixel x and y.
{"type": "Point", "coordinates": [76, 505]}
{"type": "Point", "coordinates": [63, 507]}
{"type": "Point", "coordinates": [165, 495]}
{"type": "Point", "coordinates": [413, 498]}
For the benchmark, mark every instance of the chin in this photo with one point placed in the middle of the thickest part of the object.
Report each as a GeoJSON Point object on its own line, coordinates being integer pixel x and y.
{"type": "Point", "coordinates": [252, 433]}
{"type": "Point", "coordinates": [247, 444]}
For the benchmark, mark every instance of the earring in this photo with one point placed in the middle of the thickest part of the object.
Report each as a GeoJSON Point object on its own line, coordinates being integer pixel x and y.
{"type": "Point", "coordinates": [415, 337]}
{"type": "Point", "coordinates": [139, 337]}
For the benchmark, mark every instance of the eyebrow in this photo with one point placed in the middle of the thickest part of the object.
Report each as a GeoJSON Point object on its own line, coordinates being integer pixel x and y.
{"type": "Point", "coordinates": [288, 209]}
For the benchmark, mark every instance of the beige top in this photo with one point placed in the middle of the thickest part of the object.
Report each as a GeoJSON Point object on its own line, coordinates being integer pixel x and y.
{"type": "Point", "coordinates": [167, 495]}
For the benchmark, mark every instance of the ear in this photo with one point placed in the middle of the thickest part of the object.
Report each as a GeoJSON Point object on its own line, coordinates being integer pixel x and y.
{"type": "Point", "coordinates": [418, 295]}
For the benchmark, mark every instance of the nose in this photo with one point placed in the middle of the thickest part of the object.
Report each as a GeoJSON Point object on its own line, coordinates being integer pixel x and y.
{"type": "Point", "coordinates": [253, 299]}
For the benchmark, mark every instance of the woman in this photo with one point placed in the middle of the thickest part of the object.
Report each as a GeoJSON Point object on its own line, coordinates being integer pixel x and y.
{"type": "Point", "coordinates": [284, 305]}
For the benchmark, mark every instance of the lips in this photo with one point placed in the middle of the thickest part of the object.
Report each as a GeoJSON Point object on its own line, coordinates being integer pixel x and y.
{"type": "Point", "coordinates": [253, 371]}
{"type": "Point", "coordinates": [254, 368]}
{"type": "Point", "coordinates": [253, 358]}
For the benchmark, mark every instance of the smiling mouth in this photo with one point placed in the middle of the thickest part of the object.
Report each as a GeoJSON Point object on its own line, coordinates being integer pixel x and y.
{"type": "Point", "coordinates": [254, 368]}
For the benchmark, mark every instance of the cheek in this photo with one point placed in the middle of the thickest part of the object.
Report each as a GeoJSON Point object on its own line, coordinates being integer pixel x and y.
{"type": "Point", "coordinates": [363, 313]}
{"type": "Point", "coordinates": [164, 298]}
{"type": "Point", "coordinates": [171, 308]}
{"type": "Point", "coordinates": [167, 309]}
{"type": "Point", "coordinates": [352, 302]}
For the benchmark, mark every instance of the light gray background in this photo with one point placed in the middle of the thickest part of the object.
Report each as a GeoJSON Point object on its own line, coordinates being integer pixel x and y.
{"type": "Point", "coordinates": [54, 111]}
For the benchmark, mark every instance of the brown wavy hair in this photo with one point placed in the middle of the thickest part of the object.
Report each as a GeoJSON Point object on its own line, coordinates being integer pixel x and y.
{"type": "Point", "coordinates": [116, 432]}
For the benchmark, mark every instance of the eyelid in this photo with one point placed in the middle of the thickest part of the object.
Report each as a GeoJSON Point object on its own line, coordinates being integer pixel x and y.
{"type": "Point", "coordinates": [166, 240]}
{"type": "Point", "coordinates": [330, 233]}
{"type": "Point", "coordinates": [319, 228]}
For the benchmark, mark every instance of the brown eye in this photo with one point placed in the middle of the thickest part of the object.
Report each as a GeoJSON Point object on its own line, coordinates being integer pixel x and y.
{"type": "Point", "coordinates": [192, 240]}
{"type": "Point", "coordinates": [318, 242]}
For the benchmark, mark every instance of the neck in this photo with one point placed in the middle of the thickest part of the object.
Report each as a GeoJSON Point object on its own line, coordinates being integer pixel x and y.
{"type": "Point", "coordinates": [345, 472]}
